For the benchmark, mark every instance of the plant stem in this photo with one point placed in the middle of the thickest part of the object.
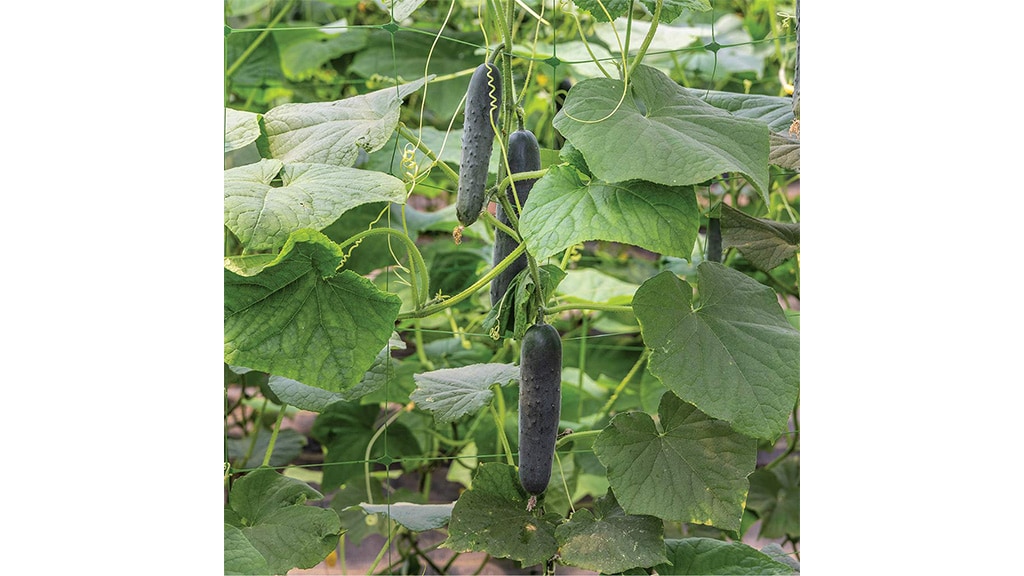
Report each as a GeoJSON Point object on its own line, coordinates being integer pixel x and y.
{"type": "Point", "coordinates": [587, 306]}
{"type": "Point", "coordinates": [483, 281]}
{"type": "Point", "coordinates": [385, 548]}
{"type": "Point", "coordinates": [408, 135]}
{"type": "Point", "coordinates": [255, 435]}
{"type": "Point", "coordinates": [414, 255]}
{"type": "Point", "coordinates": [366, 459]}
{"type": "Point", "coordinates": [497, 224]}
{"type": "Point", "coordinates": [259, 40]}
{"type": "Point", "coordinates": [273, 435]}
{"type": "Point", "coordinates": [576, 436]}
{"type": "Point", "coordinates": [499, 421]}
{"type": "Point", "coordinates": [532, 174]}
{"type": "Point", "coordinates": [582, 364]}
{"type": "Point", "coordinates": [622, 385]}
{"type": "Point", "coordinates": [647, 39]}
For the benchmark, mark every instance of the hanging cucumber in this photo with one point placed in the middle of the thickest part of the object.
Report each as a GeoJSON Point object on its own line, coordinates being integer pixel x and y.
{"type": "Point", "coordinates": [540, 404]}
{"type": "Point", "coordinates": [523, 156]}
{"type": "Point", "coordinates": [483, 101]}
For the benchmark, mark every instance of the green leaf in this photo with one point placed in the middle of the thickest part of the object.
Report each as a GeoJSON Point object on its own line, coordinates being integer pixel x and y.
{"type": "Point", "coordinates": [785, 150]}
{"type": "Point", "coordinates": [263, 214]}
{"type": "Point", "coordinates": [563, 211]}
{"type": "Point", "coordinates": [415, 517]}
{"type": "Point", "coordinates": [243, 7]}
{"type": "Point", "coordinates": [401, 9]}
{"type": "Point", "coordinates": [240, 128]}
{"type": "Point", "coordinates": [777, 553]}
{"type": "Point", "coordinates": [686, 468]}
{"type": "Point", "coordinates": [592, 285]}
{"type": "Point", "coordinates": [610, 541]}
{"type": "Point", "coordinates": [492, 518]}
{"type": "Point", "coordinates": [269, 511]}
{"type": "Point", "coordinates": [605, 10]}
{"type": "Point", "coordinates": [240, 556]}
{"type": "Point", "coordinates": [677, 139]}
{"type": "Point", "coordinates": [449, 55]}
{"type": "Point", "coordinates": [451, 393]}
{"type": "Point", "coordinates": [249, 264]}
{"type": "Point", "coordinates": [303, 397]}
{"type": "Point", "coordinates": [512, 316]}
{"type": "Point", "coordinates": [304, 50]}
{"type": "Point", "coordinates": [301, 319]}
{"type": "Point", "coordinates": [345, 429]}
{"type": "Point", "coordinates": [287, 447]}
{"type": "Point", "coordinates": [734, 355]}
{"type": "Point", "coordinates": [574, 57]}
{"type": "Point", "coordinates": [775, 111]}
{"type": "Point", "coordinates": [775, 497]}
{"type": "Point", "coordinates": [333, 132]}
{"type": "Point", "coordinates": [671, 9]}
{"type": "Point", "coordinates": [766, 243]}
{"type": "Point", "coordinates": [702, 556]}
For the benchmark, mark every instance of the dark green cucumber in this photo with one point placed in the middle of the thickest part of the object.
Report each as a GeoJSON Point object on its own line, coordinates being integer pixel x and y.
{"type": "Point", "coordinates": [540, 404]}
{"type": "Point", "coordinates": [714, 240]}
{"type": "Point", "coordinates": [483, 102]}
{"type": "Point", "coordinates": [523, 156]}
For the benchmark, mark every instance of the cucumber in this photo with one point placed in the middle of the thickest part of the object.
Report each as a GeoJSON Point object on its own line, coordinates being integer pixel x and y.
{"type": "Point", "coordinates": [483, 101]}
{"type": "Point", "coordinates": [523, 156]}
{"type": "Point", "coordinates": [714, 240]}
{"type": "Point", "coordinates": [540, 404]}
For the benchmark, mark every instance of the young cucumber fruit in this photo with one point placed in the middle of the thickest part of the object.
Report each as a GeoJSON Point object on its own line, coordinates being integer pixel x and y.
{"type": "Point", "coordinates": [483, 101]}
{"type": "Point", "coordinates": [523, 156]}
{"type": "Point", "coordinates": [540, 404]}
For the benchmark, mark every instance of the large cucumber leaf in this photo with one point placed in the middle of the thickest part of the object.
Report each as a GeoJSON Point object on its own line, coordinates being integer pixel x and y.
{"type": "Point", "coordinates": [687, 467]}
{"type": "Point", "coordinates": [333, 132]}
{"type": "Point", "coordinates": [734, 355]}
{"type": "Point", "coordinates": [268, 528]}
{"type": "Point", "coordinates": [262, 213]}
{"type": "Point", "coordinates": [301, 319]}
{"type": "Point", "coordinates": [492, 517]}
{"type": "Point", "coordinates": [563, 210]}
{"type": "Point", "coordinates": [659, 132]}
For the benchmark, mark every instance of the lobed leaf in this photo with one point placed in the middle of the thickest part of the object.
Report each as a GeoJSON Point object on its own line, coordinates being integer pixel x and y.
{"type": "Point", "coordinates": [333, 132]}
{"type": "Point", "coordinates": [608, 540]}
{"type": "Point", "coordinates": [766, 243]}
{"type": "Point", "coordinates": [267, 513]}
{"type": "Point", "coordinates": [492, 517]}
{"type": "Point", "coordinates": [301, 319]}
{"type": "Point", "coordinates": [735, 355]}
{"type": "Point", "coordinates": [262, 214]}
{"type": "Point", "coordinates": [660, 133]}
{"type": "Point", "coordinates": [702, 556]}
{"type": "Point", "coordinates": [563, 210]}
{"type": "Point", "coordinates": [451, 393]}
{"type": "Point", "coordinates": [686, 468]}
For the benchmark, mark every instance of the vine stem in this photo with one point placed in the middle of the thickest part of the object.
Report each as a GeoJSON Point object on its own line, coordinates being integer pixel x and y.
{"type": "Point", "coordinates": [483, 281]}
{"type": "Point", "coordinates": [273, 435]}
{"type": "Point", "coordinates": [647, 39]}
{"type": "Point", "coordinates": [373, 439]}
{"type": "Point", "coordinates": [581, 306]}
{"type": "Point", "coordinates": [622, 385]}
{"type": "Point", "coordinates": [576, 436]}
{"type": "Point", "coordinates": [498, 224]}
{"type": "Point", "coordinates": [414, 254]}
{"type": "Point", "coordinates": [408, 135]}
{"type": "Point", "coordinates": [499, 422]}
{"type": "Point", "coordinates": [791, 444]}
{"type": "Point", "coordinates": [259, 40]}
{"type": "Point", "coordinates": [521, 176]}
